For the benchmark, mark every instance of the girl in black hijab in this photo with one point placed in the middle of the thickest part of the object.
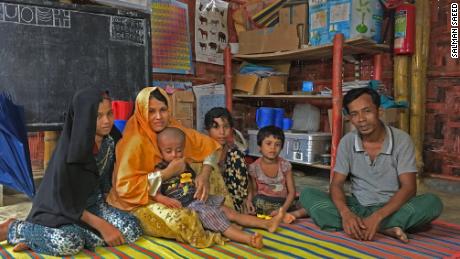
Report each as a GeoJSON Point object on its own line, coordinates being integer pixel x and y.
{"type": "Point", "coordinates": [69, 211]}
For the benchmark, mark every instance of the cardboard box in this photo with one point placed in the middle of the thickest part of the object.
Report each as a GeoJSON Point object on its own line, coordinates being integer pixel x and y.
{"type": "Point", "coordinates": [271, 85]}
{"type": "Point", "coordinates": [296, 15]}
{"type": "Point", "coordinates": [284, 15]}
{"type": "Point", "coordinates": [318, 15]}
{"type": "Point", "coordinates": [355, 19]}
{"type": "Point", "coordinates": [245, 83]}
{"type": "Point", "coordinates": [252, 84]}
{"type": "Point", "coordinates": [182, 107]}
{"type": "Point", "coordinates": [271, 39]}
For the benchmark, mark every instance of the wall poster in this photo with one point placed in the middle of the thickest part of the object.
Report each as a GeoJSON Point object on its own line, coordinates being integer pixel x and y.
{"type": "Point", "coordinates": [171, 46]}
{"type": "Point", "coordinates": [211, 34]}
{"type": "Point", "coordinates": [207, 97]}
{"type": "Point", "coordinates": [142, 5]}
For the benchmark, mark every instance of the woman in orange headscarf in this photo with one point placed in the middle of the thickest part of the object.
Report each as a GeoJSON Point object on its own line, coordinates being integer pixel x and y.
{"type": "Point", "coordinates": [135, 179]}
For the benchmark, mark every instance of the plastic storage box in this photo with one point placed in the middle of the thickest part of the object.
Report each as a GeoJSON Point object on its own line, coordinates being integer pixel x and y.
{"type": "Point", "coordinates": [302, 148]}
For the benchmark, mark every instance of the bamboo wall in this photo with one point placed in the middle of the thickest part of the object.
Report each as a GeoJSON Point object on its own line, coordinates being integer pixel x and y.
{"type": "Point", "coordinates": [442, 127]}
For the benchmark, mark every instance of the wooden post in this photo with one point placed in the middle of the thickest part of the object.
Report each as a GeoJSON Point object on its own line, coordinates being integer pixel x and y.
{"type": "Point", "coordinates": [337, 56]}
{"type": "Point", "coordinates": [50, 139]}
{"type": "Point", "coordinates": [418, 94]}
{"type": "Point", "coordinates": [378, 64]}
{"type": "Point", "coordinates": [401, 87]}
{"type": "Point", "coordinates": [228, 78]}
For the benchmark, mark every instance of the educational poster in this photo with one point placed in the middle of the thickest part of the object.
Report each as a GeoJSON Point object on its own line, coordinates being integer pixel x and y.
{"type": "Point", "coordinates": [211, 34]}
{"type": "Point", "coordinates": [171, 46]}
{"type": "Point", "coordinates": [182, 85]}
{"type": "Point", "coordinates": [207, 97]}
{"type": "Point", "coordinates": [142, 5]}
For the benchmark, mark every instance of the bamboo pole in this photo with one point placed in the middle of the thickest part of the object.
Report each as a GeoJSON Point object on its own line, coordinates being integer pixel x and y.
{"type": "Point", "coordinates": [401, 86]}
{"type": "Point", "coordinates": [419, 67]}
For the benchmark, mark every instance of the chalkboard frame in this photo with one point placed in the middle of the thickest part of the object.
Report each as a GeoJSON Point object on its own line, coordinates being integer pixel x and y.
{"type": "Point", "coordinates": [38, 126]}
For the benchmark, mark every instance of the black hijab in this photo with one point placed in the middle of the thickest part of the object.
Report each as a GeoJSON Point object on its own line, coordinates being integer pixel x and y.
{"type": "Point", "coordinates": [72, 174]}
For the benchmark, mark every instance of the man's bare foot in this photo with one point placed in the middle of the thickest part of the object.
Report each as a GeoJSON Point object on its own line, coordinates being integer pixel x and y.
{"type": "Point", "coordinates": [4, 229]}
{"type": "Point", "coordinates": [274, 222]}
{"type": "Point", "coordinates": [288, 218]}
{"type": "Point", "coordinates": [397, 233]}
{"type": "Point", "coordinates": [20, 247]}
{"type": "Point", "coordinates": [256, 241]}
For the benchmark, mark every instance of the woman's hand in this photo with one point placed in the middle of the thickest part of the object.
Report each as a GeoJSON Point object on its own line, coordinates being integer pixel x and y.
{"type": "Point", "coordinates": [169, 202]}
{"type": "Point", "coordinates": [111, 235]}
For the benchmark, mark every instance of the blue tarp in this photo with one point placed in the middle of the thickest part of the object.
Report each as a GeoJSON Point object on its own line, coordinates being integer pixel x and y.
{"type": "Point", "coordinates": [387, 102]}
{"type": "Point", "coordinates": [15, 167]}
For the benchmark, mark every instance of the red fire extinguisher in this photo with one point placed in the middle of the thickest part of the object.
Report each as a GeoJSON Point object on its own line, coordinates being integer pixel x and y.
{"type": "Point", "coordinates": [404, 43]}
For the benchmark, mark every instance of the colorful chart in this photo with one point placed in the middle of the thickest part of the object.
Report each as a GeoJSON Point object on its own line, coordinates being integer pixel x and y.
{"type": "Point", "coordinates": [171, 48]}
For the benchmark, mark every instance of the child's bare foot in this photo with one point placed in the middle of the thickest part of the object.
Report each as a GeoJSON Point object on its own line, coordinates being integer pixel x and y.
{"type": "Point", "coordinates": [274, 222]}
{"type": "Point", "coordinates": [397, 233]}
{"type": "Point", "coordinates": [20, 247]}
{"type": "Point", "coordinates": [299, 213]}
{"type": "Point", "coordinates": [288, 218]}
{"type": "Point", "coordinates": [237, 226]}
{"type": "Point", "coordinates": [4, 229]}
{"type": "Point", "coordinates": [256, 241]}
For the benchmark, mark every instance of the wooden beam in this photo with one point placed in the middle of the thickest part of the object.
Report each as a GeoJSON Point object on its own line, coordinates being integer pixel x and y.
{"type": "Point", "coordinates": [228, 79]}
{"type": "Point", "coordinates": [337, 60]}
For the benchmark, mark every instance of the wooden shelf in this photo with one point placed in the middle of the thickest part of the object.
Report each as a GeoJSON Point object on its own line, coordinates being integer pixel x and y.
{"type": "Point", "coordinates": [295, 97]}
{"type": "Point", "coordinates": [351, 47]}
{"type": "Point", "coordinates": [321, 166]}
{"type": "Point", "coordinates": [357, 46]}
{"type": "Point", "coordinates": [317, 100]}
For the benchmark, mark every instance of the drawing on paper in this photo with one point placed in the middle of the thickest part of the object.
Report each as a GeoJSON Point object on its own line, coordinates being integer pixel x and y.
{"type": "Point", "coordinates": [211, 35]}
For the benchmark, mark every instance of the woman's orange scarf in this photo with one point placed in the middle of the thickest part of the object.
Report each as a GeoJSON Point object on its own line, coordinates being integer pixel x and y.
{"type": "Point", "coordinates": [137, 154]}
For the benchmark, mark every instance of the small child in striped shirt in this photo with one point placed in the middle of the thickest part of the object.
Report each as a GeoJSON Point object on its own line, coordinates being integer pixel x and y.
{"type": "Point", "coordinates": [179, 190]}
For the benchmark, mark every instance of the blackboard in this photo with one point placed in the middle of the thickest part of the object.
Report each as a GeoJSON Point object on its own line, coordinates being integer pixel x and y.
{"type": "Point", "coordinates": [49, 50]}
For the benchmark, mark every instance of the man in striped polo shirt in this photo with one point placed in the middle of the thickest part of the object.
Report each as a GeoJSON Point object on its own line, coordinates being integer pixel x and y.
{"type": "Point", "coordinates": [380, 161]}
